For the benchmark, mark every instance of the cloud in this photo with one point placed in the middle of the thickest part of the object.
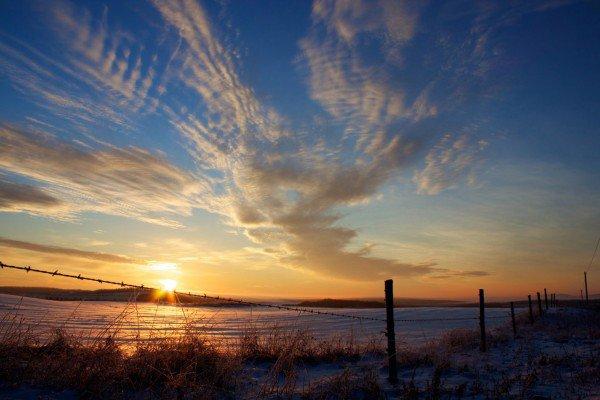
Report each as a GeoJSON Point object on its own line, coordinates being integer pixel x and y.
{"type": "Point", "coordinates": [90, 255]}
{"type": "Point", "coordinates": [16, 197]}
{"type": "Point", "coordinates": [207, 68]}
{"type": "Point", "coordinates": [130, 181]}
{"type": "Point", "coordinates": [447, 163]}
{"type": "Point", "coordinates": [448, 274]}
{"type": "Point", "coordinates": [281, 192]}
{"type": "Point", "coordinates": [106, 55]}
{"type": "Point", "coordinates": [285, 190]}
{"type": "Point", "coordinates": [395, 21]}
{"type": "Point", "coordinates": [363, 96]}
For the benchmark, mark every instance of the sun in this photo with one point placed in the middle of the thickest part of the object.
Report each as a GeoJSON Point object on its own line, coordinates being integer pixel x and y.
{"type": "Point", "coordinates": [168, 285]}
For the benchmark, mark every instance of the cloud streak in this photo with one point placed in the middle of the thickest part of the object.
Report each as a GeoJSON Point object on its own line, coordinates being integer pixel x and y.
{"type": "Point", "coordinates": [65, 251]}
{"type": "Point", "coordinates": [16, 197]}
{"type": "Point", "coordinates": [130, 182]}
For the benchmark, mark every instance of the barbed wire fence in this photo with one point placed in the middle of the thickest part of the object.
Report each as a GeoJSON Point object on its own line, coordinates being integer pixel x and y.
{"type": "Point", "coordinates": [302, 310]}
{"type": "Point", "coordinates": [205, 296]}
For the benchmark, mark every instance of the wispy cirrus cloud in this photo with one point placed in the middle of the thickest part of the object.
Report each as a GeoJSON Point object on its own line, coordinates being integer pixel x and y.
{"type": "Point", "coordinates": [447, 163]}
{"type": "Point", "coordinates": [130, 182]}
{"type": "Point", "coordinates": [107, 56]}
{"type": "Point", "coordinates": [363, 96]}
{"type": "Point", "coordinates": [282, 193]}
{"type": "Point", "coordinates": [286, 191]}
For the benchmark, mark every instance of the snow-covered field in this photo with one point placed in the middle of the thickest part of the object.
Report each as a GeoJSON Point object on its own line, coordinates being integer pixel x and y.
{"type": "Point", "coordinates": [557, 357]}
{"type": "Point", "coordinates": [144, 321]}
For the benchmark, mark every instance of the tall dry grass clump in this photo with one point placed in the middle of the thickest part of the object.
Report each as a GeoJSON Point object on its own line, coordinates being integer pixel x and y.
{"type": "Point", "coordinates": [185, 366]}
{"type": "Point", "coordinates": [162, 369]}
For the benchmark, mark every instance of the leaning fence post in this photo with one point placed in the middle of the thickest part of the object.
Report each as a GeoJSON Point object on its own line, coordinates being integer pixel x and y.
{"type": "Point", "coordinates": [530, 309]}
{"type": "Point", "coordinates": [512, 316]}
{"type": "Point", "coordinates": [391, 335]}
{"type": "Point", "coordinates": [482, 320]}
{"type": "Point", "coordinates": [546, 298]}
{"type": "Point", "coordinates": [539, 297]}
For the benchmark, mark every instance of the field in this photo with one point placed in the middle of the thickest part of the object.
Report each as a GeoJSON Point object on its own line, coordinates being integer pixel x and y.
{"type": "Point", "coordinates": [133, 321]}
{"type": "Point", "coordinates": [111, 350]}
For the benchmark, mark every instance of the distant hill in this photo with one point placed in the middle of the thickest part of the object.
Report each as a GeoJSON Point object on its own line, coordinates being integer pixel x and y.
{"type": "Point", "coordinates": [120, 295]}
{"type": "Point", "coordinates": [408, 303]}
{"type": "Point", "coordinates": [339, 303]}
{"type": "Point", "coordinates": [345, 303]}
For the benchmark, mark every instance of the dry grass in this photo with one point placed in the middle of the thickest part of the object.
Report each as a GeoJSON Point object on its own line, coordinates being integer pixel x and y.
{"type": "Point", "coordinates": [104, 370]}
{"type": "Point", "coordinates": [188, 366]}
{"type": "Point", "coordinates": [301, 346]}
{"type": "Point", "coordinates": [347, 385]}
{"type": "Point", "coordinates": [559, 354]}
{"type": "Point", "coordinates": [270, 362]}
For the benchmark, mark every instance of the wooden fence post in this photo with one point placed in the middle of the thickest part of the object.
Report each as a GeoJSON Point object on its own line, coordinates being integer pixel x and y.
{"type": "Point", "coordinates": [530, 309]}
{"type": "Point", "coordinates": [512, 316]}
{"type": "Point", "coordinates": [546, 298]}
{"type": "Point", "coordinates": [391, 335]}
{"type": "Point", "coordinates": [539, 298]}
{"type": "Point", "coordinates": [482, 343]}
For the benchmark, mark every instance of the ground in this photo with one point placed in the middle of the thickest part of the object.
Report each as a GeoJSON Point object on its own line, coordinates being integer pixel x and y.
{"type": "Point", "coordinates": [557, 357]}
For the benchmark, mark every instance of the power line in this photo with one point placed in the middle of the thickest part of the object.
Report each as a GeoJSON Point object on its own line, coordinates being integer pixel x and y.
{"type": "Point", "coordinates": [593, 255]}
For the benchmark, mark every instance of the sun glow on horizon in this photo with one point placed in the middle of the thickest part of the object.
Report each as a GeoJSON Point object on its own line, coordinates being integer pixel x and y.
{"type": "Point", "coordinates": [168, 285]}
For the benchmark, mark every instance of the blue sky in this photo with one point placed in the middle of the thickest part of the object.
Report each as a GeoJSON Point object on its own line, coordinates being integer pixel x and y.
{"type": "Point", "coordinates": [299, 148]}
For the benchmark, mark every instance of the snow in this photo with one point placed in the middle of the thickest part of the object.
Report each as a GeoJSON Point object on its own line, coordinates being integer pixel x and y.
{"type": "Point", "coordinates": [557, 357]}
{"type": "Point", "coordinates": [144, 321]}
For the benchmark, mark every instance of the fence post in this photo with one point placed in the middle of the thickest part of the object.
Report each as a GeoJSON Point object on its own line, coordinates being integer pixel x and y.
{"type": "Point", "coordinates": [512, 316]}
{"type": "Point", "coordinates": [539, 298]}
{"type": "Point", "coordinates": [530, 309]}
{"type": "Point", "coordinates": [482, 346]}
{"type": "Point", "coordinates": [546, 298]}
{"type": "Point", "coordinates": [587, 299]}
{"type": "Point", "coordinates": [391, 335]}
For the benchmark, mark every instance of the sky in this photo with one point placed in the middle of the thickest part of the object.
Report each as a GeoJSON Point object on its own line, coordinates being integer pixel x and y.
{"type": "Point", "coordinates": [298, 149]}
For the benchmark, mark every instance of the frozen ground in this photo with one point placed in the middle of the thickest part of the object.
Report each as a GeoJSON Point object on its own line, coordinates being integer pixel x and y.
{"type": "Point", "coordinates": [558, 357]}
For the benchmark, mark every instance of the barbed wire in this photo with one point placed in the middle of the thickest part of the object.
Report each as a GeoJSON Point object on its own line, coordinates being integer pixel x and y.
{"type": "Point", "coordinates": [236, 301]}
{"type": "Point", "coordinates": [196, 295]}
